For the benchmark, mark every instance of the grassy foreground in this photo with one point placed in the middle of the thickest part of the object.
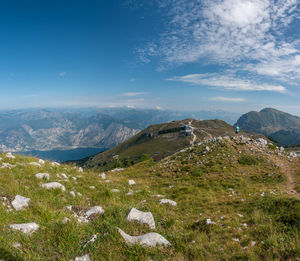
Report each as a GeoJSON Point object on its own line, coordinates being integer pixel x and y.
{"type": "Point", "coordinates": [240, 188]}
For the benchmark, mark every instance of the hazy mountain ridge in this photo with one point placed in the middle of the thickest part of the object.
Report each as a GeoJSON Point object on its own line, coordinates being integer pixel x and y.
{"type": "Point", "coordinates": [49, 129]}
{"type": "Point", "coordinates": [280, 126]}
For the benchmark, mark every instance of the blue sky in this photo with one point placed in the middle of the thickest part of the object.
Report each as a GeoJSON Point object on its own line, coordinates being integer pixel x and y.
{"type": "Point", "coordinates": [236, 55]}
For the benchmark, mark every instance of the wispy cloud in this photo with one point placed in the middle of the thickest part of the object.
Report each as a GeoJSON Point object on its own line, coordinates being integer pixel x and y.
{"type": "Point", "coordinates": [246, 35]}
{"type": "Point", "coordinates": [133, 94]}
{"type": "Point", "coordinates": [227, 82]}
{"type": "Point", "coordinates": [227, 99]}
{"type": "Point", "coordinates": [62, 74]}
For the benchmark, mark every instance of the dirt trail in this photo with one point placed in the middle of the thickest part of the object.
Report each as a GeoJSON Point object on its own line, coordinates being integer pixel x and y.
{"type": "Point", "coordinates": [288, 171]}
{"type": "Point", "coordinates": [194, 137]}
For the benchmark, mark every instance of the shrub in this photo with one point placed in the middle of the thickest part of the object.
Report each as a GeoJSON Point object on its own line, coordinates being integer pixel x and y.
{"type": "Point", "coordinates": [248, 160]}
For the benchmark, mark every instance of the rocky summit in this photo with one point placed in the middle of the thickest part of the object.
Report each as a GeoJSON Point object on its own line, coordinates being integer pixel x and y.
{"type": "Point", "coordinates": [226, 197]}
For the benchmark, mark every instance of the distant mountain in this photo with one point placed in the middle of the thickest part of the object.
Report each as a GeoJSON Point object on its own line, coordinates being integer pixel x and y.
{"type": "Point", "coordinates": [159, 141]}
{"type": "Point", "coordinates": [67, 129]}
{"type": "Point", "coordinates": [280, 126]}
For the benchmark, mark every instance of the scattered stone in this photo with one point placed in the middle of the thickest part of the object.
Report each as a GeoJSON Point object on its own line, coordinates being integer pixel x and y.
{"type": "Point", "coordinates": [131, 182]}
{"type": "Point", "coordinates": [107, 181]}
{"type": "Point", "coordinates": [148, 240]}
{"type": "Point", "coordinates": [72, 193]}
{"type": "Point", "coordinates": [43, 175]}
{"type": "Point", "coordinates": [207, 149]}
{"type": "Point", "coordinates": [168, 201]}
{"type": "Point", "coordinates": [54, 185]}
{"type": "Point", "coordinates": [41, 161]}
{"type": "Point", "coordinates": [253, 243]}
{"type": "Point", "coordinates": [35, 164]}
{"type": "Point", "coordinates": [65, 220]}
{"type": "Point", "coordinates": [74, 178]}
{"type": "Point", "coordinates": [159, 196]}
{"type": "Point", "coordinates": [102, 175]}
{"type": "Point", "coordinates": [9, 155]}
{"type": "Point", "coordinates": [236, 239]}
{"type": "Point", "coordinates": [129, 193]}
{"type": "Point", "coordinates": [20, 202]}
{"type": "Point", "coordinates": [82, 258]}
{"type": "Point", "coordinates": [93, 211]}
{"type": "Point", "coordinates": [16, 245]}
{"type": "Point", "coordinates": [80, 169]}
{"type": "Point", "coordinates": [62, 176]}
{"type": "Point", "coordinates": [69, 207]}
{"type": "Point", "coordinates": [55, 164]}
{"type": "Point", "coordinates": [92, 187]}
{"type": "Point", "coordinates": [142, 217]}
{"type": "Point", "coordinates": [262, 194]}
{"type": "Point", "coordinates": [117, 169]}
{"type": "Point", "coordinates": [7, 165]}
{"type": "Point", "coordinates": [115, 190]}
{"type": "Point", "coordinates": [93, 239]}
{"type": "Point", "coordinates": [210, 222]}
{"type": "Point", "coordinates": [79, 194]}
{"type": "Point", "coordinates": [240, 215]}
{"type": "Point", "coordinates": [25, 228]}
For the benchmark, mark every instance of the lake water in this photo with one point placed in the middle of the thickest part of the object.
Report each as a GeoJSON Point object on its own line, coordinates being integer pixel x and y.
{"type": "Point", "coordinates": [63, 155]}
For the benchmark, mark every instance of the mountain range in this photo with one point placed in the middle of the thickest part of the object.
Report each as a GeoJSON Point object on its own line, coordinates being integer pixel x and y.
{"type": "Point", "coordinates": [68, 129]}
{"type": "Point", "coordinates": [281, 127]}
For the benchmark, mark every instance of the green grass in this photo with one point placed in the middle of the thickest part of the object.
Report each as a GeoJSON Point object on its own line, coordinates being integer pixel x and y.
{"type": "Point", "coordinates": [214, 185]}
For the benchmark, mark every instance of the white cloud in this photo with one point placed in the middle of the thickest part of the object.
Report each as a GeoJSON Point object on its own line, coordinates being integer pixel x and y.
{"type": "Point", "coordinates": [226, 82]}
{"type": "Point", "coordinates": [133, 94]}
{"type": "Point", "coordinates": [227, 99]}
{"type": "Point", "coordinates": [227, 32]}
{"type": "Point", "coordinates": [62, 73]}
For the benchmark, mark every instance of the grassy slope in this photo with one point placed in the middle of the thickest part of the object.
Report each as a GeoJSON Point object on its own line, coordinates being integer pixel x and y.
{"type": "Point", "coordinates": [211, 185]}
{"type": "Point", "coordinates": [158, 146]}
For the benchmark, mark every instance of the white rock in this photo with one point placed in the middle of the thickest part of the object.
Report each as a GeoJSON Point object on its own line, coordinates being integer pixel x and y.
{"type": "Point", "coordinates": [7, 165]}
{"type": "Point", "coordinates": [107, 181]}
{"type": "Point", "coordinates": [74, 178]}
{"type": "Point", "coordinates": [207, 149]}
{"type": "Point", "coordinates": [115, 190]}
{"type": "Point", "coordinates": [148, 240]}
{"type": "Point", "coordinates": [210, 222]}
{"type": "Point", "coordinates": [69, 207]}
{"type": "Point", "coordinates": [83, 258]}
{"type": "Point", "coordinates": [142, 217]}
{"type": "Point", "coordinates": [168, 201]}
{"type": "Point", "coordinates": [54, 185]}
{"type": "Point", "coordinates": [240, 215]}
{"type": "Point", "coordinates": [41, 161]}
{"type": "Point", "coordinates": [93, 211]}
{"type": "Point", "coordinates": [43, 175]}
{"type": "Point", "coordinates": [117, 169]}
{"type": "Point", "coordinates": [54, 164]}
{"type": "Point", "coordinates": [80, 169]}
{"type": "Point", "coordinates": [72, 193]}
{"type": "Point", "coordinates": [27, 228]}
{"type": "Point", "coordinates": [131, 182]}
{"type": "Point", "coordinates": [93, 239]}
{"type": "Point", "coordinates": [79, 194]}
{"type": "Point", "coordinates": [16, 245]}
{"type": "Point", "coordinates": [20, 202]}
{"type": "Point", "coordinates": [92, 187]}
{"type": "Point", "coordinates": [62, 176]}
{"type": "Point", "coordinates": [129, 193]}
{"type": "Point", "coordinates": [65, 220]}
{"type": "Point", "coordinates": [9, 155]}
{"type": "Point", "coordinates": [35, 164]}
{"type": "Point", "coordinates": [102, 175]}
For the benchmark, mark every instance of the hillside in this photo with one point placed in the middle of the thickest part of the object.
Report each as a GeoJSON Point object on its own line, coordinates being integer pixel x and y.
{"type": "Point", "coordinates": [228, 198]}
{"type": "Point", "coordinates": [157, 142]}
{"type": "Point", "coordinates": [280, 126]}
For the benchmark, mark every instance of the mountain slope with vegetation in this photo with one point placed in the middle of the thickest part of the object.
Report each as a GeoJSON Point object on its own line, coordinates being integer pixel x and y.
{"type": "Point", "coordinates": [234, 199]}
{"type": "Point", "coordinates": [158, 141]}
{"type": "Point", "coordinates": [280, 126]}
